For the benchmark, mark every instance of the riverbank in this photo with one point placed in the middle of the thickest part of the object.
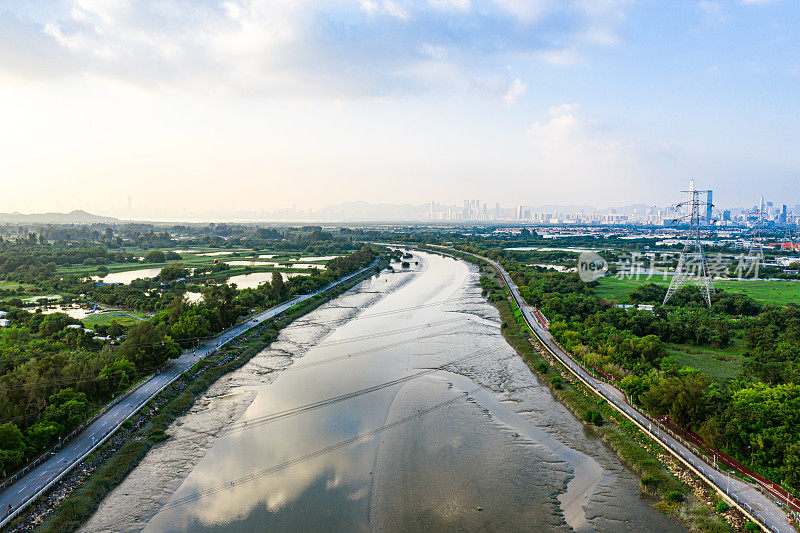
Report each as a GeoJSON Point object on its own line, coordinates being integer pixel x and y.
{"type": "Point", "coordinates": [78, 494]}
{"type": "Point", "coordinates": [683, 495]}
{"type": "Point", "coordinates": [231, 465]}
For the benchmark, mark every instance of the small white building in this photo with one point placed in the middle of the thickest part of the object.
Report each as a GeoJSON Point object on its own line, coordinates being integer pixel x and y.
{"type": "Point", "coordinates": [5, 323]}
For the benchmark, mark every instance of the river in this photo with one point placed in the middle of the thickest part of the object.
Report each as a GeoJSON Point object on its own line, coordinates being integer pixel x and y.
{"type": "Point", "coordinates": [447, 430]}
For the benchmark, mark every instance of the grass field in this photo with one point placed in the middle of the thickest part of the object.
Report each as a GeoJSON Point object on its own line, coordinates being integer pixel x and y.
{"type": "Point", "coordinates": [196, 259]}
{"type": "Point", "coordinates": [13, 285]}
{"type": "Point", "coordinates": [123, 318]}
{"type": "Point", "coordinates": [769, 292]}
{"type": "Point", "coordinates": [719, 365]}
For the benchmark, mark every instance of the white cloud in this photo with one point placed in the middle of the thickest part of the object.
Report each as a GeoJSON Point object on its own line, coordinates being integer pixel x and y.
{"type": "Point", "coordinates": [579, 155]}
{"type": "Point", "coordinates": [386, 7]}
{"type": "Point", "coordinates": [457, 5]}
{"type": "Point", "coordinates": [558, 57]}
{"type": "Point", "coordinates": [712, 9]}
{"type": "Point", "coordinates": [518, 88]}
{"type": "Point", "coordinates": [603, 20]}
{"type": "Point", "coordinates": [300, 47]}
{"type": "Point", "coordinates": [526, 10]}
{"type": "Point", "coordinates": [396, 10]}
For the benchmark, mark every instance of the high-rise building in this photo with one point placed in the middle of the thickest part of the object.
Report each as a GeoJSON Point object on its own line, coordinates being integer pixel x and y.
{"type": "Point", "coordinates": [709, 205]}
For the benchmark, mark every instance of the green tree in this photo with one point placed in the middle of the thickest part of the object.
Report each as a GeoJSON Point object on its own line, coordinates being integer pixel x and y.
{"type": "Point", "coordinates": [119, 374]}
{"type": "Point", "coordinates": [155, 256]}
{"type": "Point", "coordinates": [54, 322]}
{"type": "Point", "coordinates": [686, 398]}
{"type": "Point", "coordinates": [277, 287]}
{"type": "Point", "coordinates": [12, 446]}
{"type": "Point", "coordinates": [147, 345]}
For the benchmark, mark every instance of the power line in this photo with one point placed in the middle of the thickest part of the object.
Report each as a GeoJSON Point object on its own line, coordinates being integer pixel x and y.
{"type": "Point", "coordinates": [299, 324]}
{"type": "Point", "coordinates": [212, 337]}
{"type": "Point", "coordinates": [313, 455]}
{"type": "Point", "coordinates": [386, 333]}
{"type": "Point", "coordinates": [253, 423]}
{"type": "Point", "coordinates": [145, 371]}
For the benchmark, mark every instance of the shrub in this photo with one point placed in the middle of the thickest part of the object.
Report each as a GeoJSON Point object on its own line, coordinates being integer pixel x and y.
{"type": "Point", "coordinates": [674, 496]}
{"type": "Point", "coordinates": [542, 367]}
{"type": "Point", "coordinates": [593, 417]}
{"type": "Point", "coordinates": [557, 382]}
{"type": "Point", "coordinates": [751, 526]}
{"type": "Point", "coordinates": [158, 435]}
{"type": "Point", "coordinates": [649, 481]}
{"type": "Point", "coordinates": [722, 506]}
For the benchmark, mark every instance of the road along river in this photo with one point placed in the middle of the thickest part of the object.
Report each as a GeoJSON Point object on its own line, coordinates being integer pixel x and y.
{"type": "Point", "coordinates": [396, 406]}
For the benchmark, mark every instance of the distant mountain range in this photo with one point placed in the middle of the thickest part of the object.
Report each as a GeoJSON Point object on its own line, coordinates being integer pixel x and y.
{"type": "Point", "coordinates": [75, 217]}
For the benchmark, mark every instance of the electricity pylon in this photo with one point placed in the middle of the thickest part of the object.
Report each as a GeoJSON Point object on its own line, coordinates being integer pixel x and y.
{"type": "Point", "coordinates": [692, 261]}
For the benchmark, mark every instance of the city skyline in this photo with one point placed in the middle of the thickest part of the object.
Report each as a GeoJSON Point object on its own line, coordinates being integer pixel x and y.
{"type": "Point", "coordinates": [767, 211]}
{"type": "Point", "coordinates": [267, 104]}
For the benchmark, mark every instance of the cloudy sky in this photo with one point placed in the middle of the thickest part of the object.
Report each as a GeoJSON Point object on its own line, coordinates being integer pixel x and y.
{"type": "Point", "coordinates": [200, 104]}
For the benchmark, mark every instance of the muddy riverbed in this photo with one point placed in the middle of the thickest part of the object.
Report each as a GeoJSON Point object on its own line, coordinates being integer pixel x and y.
{"type": "Point", "coordinates": [398, 406]}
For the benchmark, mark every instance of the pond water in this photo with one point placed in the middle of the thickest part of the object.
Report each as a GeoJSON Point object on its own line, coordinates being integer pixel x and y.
{"type": "Point", "coordinates": [304, 265]}
{"type": "Point", "coordinates": [35, 299]}
{"type": "Point", "coordinates": [319, 258]}
{"type": "Point", "coordinates": [398, 406]}
{"type": "Point", "coordinates": [193, 297]}
{"type": "Point", "coordinates": [552, 249]}
{"type": "Point", "coordinates": [557, 268]}
{"type": "Point", "coordinates": [75, 311]}
{"type": "Point", "coordinates": [254, 279]}
{"type": "Point", "coordinates": [128, 276]}
{"type": "Point", "coordinates": [246, 262]}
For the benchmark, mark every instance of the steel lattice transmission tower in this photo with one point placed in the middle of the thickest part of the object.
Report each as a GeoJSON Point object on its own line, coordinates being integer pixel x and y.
{"type": "Point", "coordinates": [692, 261]}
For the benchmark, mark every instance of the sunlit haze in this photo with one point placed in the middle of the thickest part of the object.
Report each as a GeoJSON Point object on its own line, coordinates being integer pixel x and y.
{"type": "Point", "coordinates": [179, 108]}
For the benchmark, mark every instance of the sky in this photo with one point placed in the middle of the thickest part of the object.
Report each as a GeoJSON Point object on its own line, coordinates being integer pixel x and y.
{"type": "Point", "coordinates": [185, 106]}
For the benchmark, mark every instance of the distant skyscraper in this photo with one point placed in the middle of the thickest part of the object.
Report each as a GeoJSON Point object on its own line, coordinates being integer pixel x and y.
{"type": "Point", "coordinates": [709, 205]}
{"type": "Point", "coordinates": [726, 216]}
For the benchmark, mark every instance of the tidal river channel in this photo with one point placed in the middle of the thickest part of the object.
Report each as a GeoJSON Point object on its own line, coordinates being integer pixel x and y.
{"type": "Point", "coordinates": [398, 406]}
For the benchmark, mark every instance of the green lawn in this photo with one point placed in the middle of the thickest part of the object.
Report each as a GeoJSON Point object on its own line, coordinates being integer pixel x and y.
{"type": "Point", "coordinates": [123, 318]}
{"type": "Point", "coordinates": [188, 259]}
{"type": "Point", "coordinates": [770, 292]}
{"type": "Point", "coordinates": [719, 365]}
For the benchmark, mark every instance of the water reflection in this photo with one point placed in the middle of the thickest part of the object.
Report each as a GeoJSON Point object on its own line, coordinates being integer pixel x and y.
{"type": "Point", "coordinates": [504, 459]}
{"type": "Point", "coordinates": [128, 276]}
{"type": "Point", "coordinates": [254, 279]}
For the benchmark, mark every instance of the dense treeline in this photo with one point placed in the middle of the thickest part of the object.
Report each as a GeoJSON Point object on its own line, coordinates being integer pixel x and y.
{"type": "Point", "coordinates": [754, 417]}
{"type": "Point", "coordinates": [54, 372]}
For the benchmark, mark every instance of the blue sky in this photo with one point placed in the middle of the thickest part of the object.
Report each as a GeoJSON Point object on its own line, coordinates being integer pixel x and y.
{"type": "Point", "coordinates": [191, 105]}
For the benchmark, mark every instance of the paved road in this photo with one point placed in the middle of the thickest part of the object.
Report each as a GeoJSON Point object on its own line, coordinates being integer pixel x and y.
{"type": "Point", "coordinates": [29, 487]}
{"type": "Point", "coordinates": [767, 512]}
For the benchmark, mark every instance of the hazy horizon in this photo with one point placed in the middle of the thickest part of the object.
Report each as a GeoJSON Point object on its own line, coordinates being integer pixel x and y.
{"type": "Point", "coordinates": [261, 105]}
